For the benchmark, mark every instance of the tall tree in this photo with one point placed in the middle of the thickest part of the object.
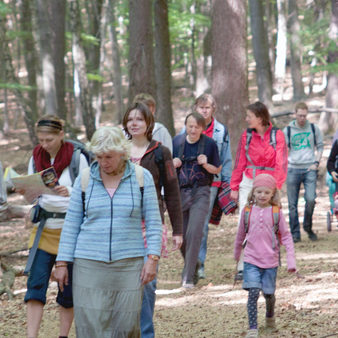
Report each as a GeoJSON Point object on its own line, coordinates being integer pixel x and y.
{"type": "Point", "coordinates": [162, 65]}
{"type": "Point", "coordinates": [229, 64]}
{"type": "Point", "coordinates": [295, 50]}
{"type": "Point", "coordinates": [331, 99]}
{"type": "Point", "coordinates": [81, 87]}
{"type": "Point", "coordinates": [44, 32]}
{"type": "Point", "coordinates": [141, 57]}
{"type": "Point", "coordinates": [280, 65]}
{"type": "Point", "coordinates": [260, 46]}
{"type": "Point", "coordinates": [115, 53]}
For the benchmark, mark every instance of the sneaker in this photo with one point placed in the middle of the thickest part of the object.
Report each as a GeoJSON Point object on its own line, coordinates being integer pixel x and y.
{"type": "Point", "coordinates": [201, 273]}
{"type": "Point", "coordinates": [196, 276]}
{"type": "Point", "coordinates": [312, 236]}
{"type": "Point", "coordinates": [239, 275]}
{"type": "Point", "coordinates": [188, 285]}
{"type": "Point", "coordinates": [296, 239]}
{"type": "Point", "coordinates": [270, 322]}
{"type": "Point", "coordinates": [252, 333]}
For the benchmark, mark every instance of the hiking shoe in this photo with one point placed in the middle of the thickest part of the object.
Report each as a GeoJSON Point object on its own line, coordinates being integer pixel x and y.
{"type": "Point", "coordinates": [252, 333]}
{"type": "Point", "coordinates": [296, 239]}
{"type": "Point", "coordinates": [270, 322]}
{"type": "Point", "coordinates": [201, 273]}
{"type": "Point", "coordinates": [239, 275]}
{"type": "Point", "coordinates": [312, 236]}
{"type": "Point", "coordinates": [196, 276]}
{"type": "Point", "coordinates": [187, 285]}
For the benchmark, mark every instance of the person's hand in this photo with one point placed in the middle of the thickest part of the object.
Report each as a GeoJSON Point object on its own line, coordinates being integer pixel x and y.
{"type": "Point", "coordinates": [202, 159]}
{"type": "Point", "coordinates": [313, 167]}
{"type": "Point", "coordinates": [234, 195]}
{"type": "Point", "coordinates": [61, 190]}
{"type": "Point", "coordinates": [149, 271]}
{"type": "Point", "coordinates": [334, 176]}
{"type": "Point", "coordinates": [60, 274]}
{"type": "Point", "coordinates": [177, 242]}
{"type": "Point", "coordinates": [177, 162]}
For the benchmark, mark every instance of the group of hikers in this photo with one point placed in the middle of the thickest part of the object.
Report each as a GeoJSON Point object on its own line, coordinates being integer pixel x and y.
{"type": "Point", "coordinates": [101, 235]}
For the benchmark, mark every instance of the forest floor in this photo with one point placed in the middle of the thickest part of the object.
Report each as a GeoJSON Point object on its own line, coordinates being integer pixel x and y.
{"type": "Point", "coordinates": [305, 307]}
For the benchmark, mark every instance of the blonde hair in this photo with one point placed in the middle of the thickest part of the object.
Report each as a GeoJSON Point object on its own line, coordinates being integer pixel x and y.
{"type": "Point", "coordinates": [49, 124]}
{"type": "Point", "coordinates": [275, 199]}
{"type": "Point", "coordinates": [106, 139]}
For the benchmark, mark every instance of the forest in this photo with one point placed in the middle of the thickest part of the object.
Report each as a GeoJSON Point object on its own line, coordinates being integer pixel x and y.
{"type": "Point", "coordinates": [81, 60]}
{"type": "Point", "coordinates": [85, 60]}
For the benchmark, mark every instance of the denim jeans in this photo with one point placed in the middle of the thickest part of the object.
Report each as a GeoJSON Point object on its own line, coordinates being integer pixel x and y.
{"type": "Point", "coordinates": [294, 180]}
{"type": "Point", "coordinates": [147, 311]}
{"type": "Point", "coordinates": [203, 248]}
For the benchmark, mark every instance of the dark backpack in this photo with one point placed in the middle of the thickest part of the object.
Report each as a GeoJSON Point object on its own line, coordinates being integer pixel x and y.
{"type": "Point", "coordinates": [288, 128]}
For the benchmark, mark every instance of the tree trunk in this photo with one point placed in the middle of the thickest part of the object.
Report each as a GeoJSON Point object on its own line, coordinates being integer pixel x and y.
{"type": "Point", "coordinates": [46, 55]}
{"type": "Point", "coordinates": [260, 46]}
{"type": "Point", "coordinates": [30, 56]}
{"type": "Point", "coordinates": [295, 51]}
{"type": "Point", "coordinates": [281, 47]}
{"type": "Point", "coordinates": [80, 75]}
{"type": "Point", "coordinates": [115, 52]}
{"type": "Point", "coordinates": [229, 65]}
{"type": "Point", "coordinates": [330, 120]}
{"type": "Point", "coordinates": [141, 59]}
{"type": "Point", "coordinates": [162, 65]}
{"type": "Point", "coordinates": [58, 19]}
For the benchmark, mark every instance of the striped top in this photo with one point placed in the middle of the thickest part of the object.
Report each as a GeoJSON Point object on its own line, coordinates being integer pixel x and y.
{"type": "Point", "coordinates": [111, 228]}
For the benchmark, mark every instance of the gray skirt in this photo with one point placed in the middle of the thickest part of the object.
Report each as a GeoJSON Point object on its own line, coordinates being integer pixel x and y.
{"type": "Point", "coordinates": [107, 298]}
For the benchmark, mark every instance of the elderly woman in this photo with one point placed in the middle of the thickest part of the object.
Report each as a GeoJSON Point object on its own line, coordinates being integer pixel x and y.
{"type": "Point", "coordinates": [102, 235]}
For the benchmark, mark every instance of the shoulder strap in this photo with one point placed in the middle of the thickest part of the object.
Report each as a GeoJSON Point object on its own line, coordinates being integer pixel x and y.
{"type": "Point", "coordinates": [140, 179]}
{"type": "Point", "coordinates": [84, 184]}
{"type": "Point", "coordinates": [273, 138]}
{"type": "Point", "coordinates": [181, 145]}
{"type": "Point", "coordinates": [201, 145]}
{"type": "Point", "coordinates": [314, 134]}
{"type": "Point", "coordinates": [159, 160]}
{"type": "Point", "coordinates": [74, 164]}
{"type": "Point", "coordinates": [247, 213]}
{"type": "Point", "coordinates": [288, 130]}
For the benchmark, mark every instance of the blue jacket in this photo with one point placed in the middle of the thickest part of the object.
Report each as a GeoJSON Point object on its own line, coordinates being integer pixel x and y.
{"type": "Point", "coordinates": [224, 151]}
{"type": "Point", "coordinates": [112, 227]}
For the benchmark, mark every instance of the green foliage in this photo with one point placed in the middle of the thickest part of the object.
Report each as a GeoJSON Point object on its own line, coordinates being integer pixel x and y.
{"type": "Point", "coordinates": [14, 34]}
{"type": "Point", "coordinates": [4, 9]}
{"type": "Point", "coordinates": [89, 40]}
{"type": "Point", "coordinates": [16, 86]}
{"type": "Point", "coordinates": [95, 77]}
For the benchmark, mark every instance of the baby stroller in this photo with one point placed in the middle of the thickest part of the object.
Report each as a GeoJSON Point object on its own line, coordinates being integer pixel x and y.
{"type": "Point", "coordinates": [332, 215]}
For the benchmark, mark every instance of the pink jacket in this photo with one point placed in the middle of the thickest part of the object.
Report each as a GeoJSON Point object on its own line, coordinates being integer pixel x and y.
{"type": "Point", "coordinates": [259, 247]}
{"type": "Point", "coordinates": [262, 154]}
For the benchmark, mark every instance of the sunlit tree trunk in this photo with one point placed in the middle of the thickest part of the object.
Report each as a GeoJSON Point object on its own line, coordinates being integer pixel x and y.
{"type": "Point", "coordinates": [162, 65]}
{"type": "Point", "coordinates": [115, 52]}
{"type": "Point", "coordinates": [280, 65]}
{"type": "Point", "coordinates": [229, 64]}
{"type": "Point", "coordinates": [295, 50]}
{"type": "Point", "coordinates": [260, 46]}
{"type": "Point", "coordinates": [141, 52]}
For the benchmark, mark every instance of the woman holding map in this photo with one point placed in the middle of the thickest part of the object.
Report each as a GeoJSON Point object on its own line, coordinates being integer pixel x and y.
{"type": "Point", "coordinates": [48, 218]}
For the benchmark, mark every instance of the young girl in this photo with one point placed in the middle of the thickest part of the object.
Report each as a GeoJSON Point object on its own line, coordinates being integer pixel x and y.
{"type": "Point", "coordinates": [258, 235]}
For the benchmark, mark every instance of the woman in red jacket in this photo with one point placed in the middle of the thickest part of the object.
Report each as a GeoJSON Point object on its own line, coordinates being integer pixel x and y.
{"type": "Point", "coordinates": [261, 150]}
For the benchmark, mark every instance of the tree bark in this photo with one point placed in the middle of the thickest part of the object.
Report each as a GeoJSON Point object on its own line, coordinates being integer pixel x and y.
{"type": "Point", "coordinates": [229, 65]}
{"type": "Point", "coordinates": [295, 50]}
{"type": "Point", "coordinates": [81, 87]}
{"type": "Point", "coordinates": [141, 59]}
{"type": "Point", "coordinates": [162, 65]}
{"type": "Point", "coordinates": [46, 55]}
{"type": "Point", "coordinates": [115, 52]}
{"type": "Point", "coordinates": [329, 120]}
{"type": "Point", "coordinates": [280, 66]}
{"type": "Point", "coordinates": [260, 46]}
{"type": "Point", "coordinates": [58, 20]}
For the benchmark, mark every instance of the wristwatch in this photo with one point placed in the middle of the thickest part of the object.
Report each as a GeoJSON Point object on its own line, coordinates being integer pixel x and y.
{"type": "Point", "coordinates": [154, 257]}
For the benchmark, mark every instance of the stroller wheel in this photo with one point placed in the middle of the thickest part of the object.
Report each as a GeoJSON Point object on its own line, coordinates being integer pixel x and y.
{"type": "Point", "coordinates": [328, 221]}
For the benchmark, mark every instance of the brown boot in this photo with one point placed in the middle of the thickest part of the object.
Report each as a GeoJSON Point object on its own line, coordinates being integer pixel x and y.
{"type": "Point", "coordinates": [270, 322]}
